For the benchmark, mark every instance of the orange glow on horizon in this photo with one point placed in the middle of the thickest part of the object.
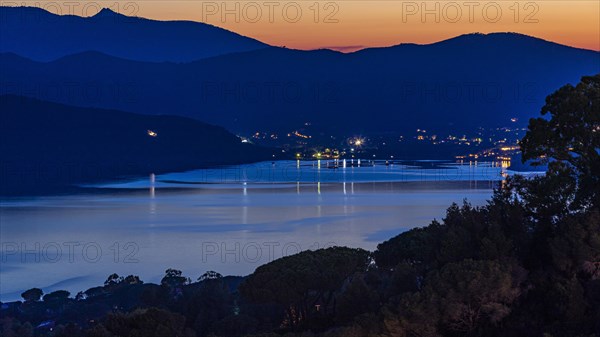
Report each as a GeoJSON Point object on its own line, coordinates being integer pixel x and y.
{"type": "Point", "coordinates": [355, 24]}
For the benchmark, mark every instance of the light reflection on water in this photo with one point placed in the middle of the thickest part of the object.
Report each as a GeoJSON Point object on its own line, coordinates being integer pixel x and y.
{"type": "Point", "coordinates": [230, 220]}
{"type": "Point", "coordinates": [325, 171]}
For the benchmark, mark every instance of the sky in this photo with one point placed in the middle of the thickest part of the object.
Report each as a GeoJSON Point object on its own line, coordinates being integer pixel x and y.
{"type": "Point", "coordinates": [349, 25]}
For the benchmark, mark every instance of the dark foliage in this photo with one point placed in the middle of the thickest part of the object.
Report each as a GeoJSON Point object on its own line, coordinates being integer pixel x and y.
{"type": "Point", "coordinates": [525, 264]}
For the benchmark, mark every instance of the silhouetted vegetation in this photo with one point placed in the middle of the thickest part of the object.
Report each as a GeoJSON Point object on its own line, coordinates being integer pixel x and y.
{"type": "Point", "coordinates": [526, 264]}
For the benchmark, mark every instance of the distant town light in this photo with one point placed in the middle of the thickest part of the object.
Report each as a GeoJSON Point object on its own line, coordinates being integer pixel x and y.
{"type": "Point", "coordinates": [152, 133]}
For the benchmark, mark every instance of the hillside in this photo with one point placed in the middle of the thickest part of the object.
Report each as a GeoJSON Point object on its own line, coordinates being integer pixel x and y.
{"type": "Point", "coordinates": [47, 146]}
{"type": "Point", "coordinates": [456, 85]}
{"type": "Point", "coordinates": [43, 36]}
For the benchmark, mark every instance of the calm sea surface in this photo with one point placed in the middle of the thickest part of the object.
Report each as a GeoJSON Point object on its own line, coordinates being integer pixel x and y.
{"type": "Point", "coordinates": [230, 220]}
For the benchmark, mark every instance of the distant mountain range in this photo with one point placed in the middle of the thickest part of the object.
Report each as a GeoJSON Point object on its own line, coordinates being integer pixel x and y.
{"type": "Point", "coordinates": [108, 74]}
{"type": "Point", "coordinates": [47, 146]}
{"type": "Point", "coordinates": [40, 35]}
{"type": "Point", "coordinates": [455, 85]}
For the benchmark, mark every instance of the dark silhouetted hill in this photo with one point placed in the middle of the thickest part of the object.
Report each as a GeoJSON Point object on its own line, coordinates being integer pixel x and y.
{"type": "Point", "coordinates": [43, 36]}
{"type": "Point", "coordinates": [451, 86]}
{"type": "Point", "coordinates": [46, 146]}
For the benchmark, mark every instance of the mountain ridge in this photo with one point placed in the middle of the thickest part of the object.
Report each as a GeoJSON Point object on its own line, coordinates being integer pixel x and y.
{"type": "Point", "coordinates": [46, 146]}
{"type": "Point", "coordinates": [323, 51]}
{"type": "Point", "coordinates": [107, 13]}
{"type": "Point", "coordinates": [406, 88]}
{"type": "Point", "coordinates": [474, 36]}
{"type": "Point", "coordinates": [43, 36]}
{"type": "Point", "coordinates": [462, 83]}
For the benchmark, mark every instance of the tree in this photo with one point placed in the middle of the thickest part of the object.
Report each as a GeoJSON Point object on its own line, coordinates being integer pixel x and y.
{"type": "Point", "coordinates": [415, 247]}
{"type": "Point", "coordinates": [173, 282]}
{"type": "Point", "coordinates": [174, 279]}
{"type": "Point", "coordinates": [132, 279]}
{"type": "Point", "coordinates": [150, 322]}
{"type": "Point", "coordinates": [464, 298]}
{"type": "Point", "coordinates": [570, 140]}
{"type": "Point", "coordinates": [32, 295]}
{"type": "Point", "coordinates": [300, 283]}
{"type": "Point", "coordinates": [94, 292]}
{"type": "Point", "coordinates": [356, 299]}
{"type": "Point", "coordinates": [206, 303]}
{"type": "Point", "coordinates": [112, 280]}
{"type": "Point", "coordinates": [25, 330]}
{"type": "Point", "coordinates": [57, 296]}
{"type": "Point", "coordinates": [209, 275]}
{"type": "Point", "coordinates": [80, 296]}
{"type": "Point", "coordinates": [472, 293]}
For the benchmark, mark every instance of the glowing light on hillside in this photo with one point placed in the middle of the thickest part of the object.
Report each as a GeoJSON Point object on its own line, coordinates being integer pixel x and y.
{"type": "Point", "coordinates": [358, 142]}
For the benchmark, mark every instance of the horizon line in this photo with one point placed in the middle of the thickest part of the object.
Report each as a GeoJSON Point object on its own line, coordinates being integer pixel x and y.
{"type": "Point", "coordinates": [350, 49]}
